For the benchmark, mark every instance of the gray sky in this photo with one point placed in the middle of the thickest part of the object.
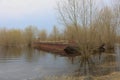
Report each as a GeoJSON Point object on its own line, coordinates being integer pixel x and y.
{"type": "Point", "coordinates": [21, 13]}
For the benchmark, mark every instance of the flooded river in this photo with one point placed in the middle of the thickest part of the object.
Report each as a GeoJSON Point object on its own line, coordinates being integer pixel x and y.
{"type": "Point", "coordinates": [29, 64]}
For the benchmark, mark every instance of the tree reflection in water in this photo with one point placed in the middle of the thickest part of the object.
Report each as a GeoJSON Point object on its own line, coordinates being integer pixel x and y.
{"type": "Point", "coordinates": [95, 66]}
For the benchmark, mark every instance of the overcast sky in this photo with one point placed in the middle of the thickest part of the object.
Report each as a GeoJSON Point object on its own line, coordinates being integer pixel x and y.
{"type": "Point", "coordinates": [21, 13]}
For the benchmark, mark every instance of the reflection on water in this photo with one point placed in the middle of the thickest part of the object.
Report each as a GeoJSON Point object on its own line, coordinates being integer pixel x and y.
{"type": "Point", "coordinates": [118, 56]}
{"type": "Point", "coordinates": [28, 63]}
{"type": "Point", "coordinates": [99, 65]}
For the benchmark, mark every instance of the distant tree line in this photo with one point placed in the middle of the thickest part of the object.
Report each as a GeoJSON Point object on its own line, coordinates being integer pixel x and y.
{"type": "Point", "coordinates": [25, 37]}
{"type": "Point", "coordinates": [85, 22]}
{"type": "Point", "coordinates": [17, 37]}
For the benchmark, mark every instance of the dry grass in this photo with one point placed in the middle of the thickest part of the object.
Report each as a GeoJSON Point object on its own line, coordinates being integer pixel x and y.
{"type": "Point", "coordinates": [63, 78]}
{"type": "Point", "coordinates": [112, 76]}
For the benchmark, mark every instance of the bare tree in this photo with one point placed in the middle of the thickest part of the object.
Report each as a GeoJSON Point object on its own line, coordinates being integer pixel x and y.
{"type": "Point", "coordinates": [87, 15]}
{"type": "Point", "coordinates": [78, 13]}
{"type": "Point", "coordinates": [116, 10]}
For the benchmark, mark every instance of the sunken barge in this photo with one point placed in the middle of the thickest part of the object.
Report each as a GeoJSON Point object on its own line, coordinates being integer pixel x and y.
{"type": "Point", "coordinates": [60, 48]}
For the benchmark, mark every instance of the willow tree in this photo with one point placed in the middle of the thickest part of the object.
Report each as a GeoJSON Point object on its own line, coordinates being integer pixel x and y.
{"type": "Point", "coordinates": [107, 26]}
{"type": "Point", "coordinates": [30, 34]}
{"type": "Point", "coordinates": [3, 37]}
{"type": "Point", "coordinates": [14, 37]}
{"type": "Point", "coordinates": [42, 35]}
{"type": "Point", "coordinates": [79, 14]}
{"type": "Point", "coordinates": [116, 10]}
{"type": "Point", "coordinates": [55, 34]}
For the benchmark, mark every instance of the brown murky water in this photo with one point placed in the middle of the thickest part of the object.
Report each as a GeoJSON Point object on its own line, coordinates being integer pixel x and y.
{"type": "Point", "coordinates": [29, 64]}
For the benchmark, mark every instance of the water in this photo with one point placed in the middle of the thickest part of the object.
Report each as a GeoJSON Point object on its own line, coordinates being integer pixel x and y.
{"type": "Point", "coordinates": [22, 64]}
{"type": "Point", "coordinates": [118, 56]}
{"type": "Point", "coordinates": [29, 64]}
